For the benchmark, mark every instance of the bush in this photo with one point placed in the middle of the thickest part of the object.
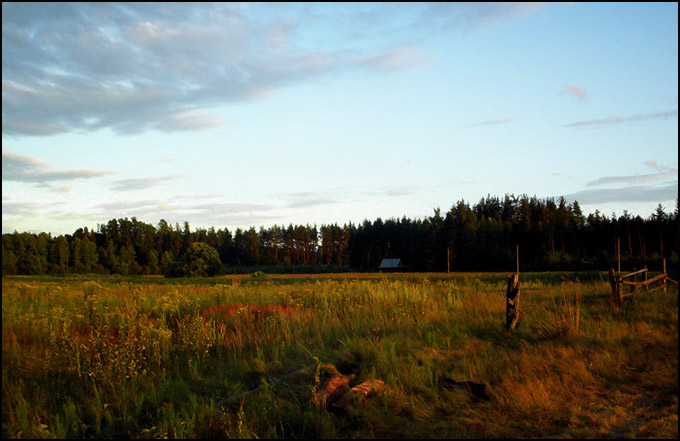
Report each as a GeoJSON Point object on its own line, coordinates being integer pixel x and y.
{"type": "Point", "coordinates": [200, 261]}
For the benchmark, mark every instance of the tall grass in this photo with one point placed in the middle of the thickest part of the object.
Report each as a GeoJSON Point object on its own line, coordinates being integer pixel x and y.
{"type": "Point", "coordinates": [118, 358]}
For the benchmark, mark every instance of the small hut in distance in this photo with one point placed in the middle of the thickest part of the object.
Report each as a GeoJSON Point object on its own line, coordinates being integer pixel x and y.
{"type": "Point", "coordinates": [391, 265]}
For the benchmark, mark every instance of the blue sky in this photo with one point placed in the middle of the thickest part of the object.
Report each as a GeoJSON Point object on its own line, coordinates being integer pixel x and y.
{"type": "Point", "coordinates": [239, 115]}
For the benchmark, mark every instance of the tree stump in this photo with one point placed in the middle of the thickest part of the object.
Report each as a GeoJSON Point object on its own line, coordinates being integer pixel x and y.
{"type": "Point", "coordinates": [512, 302]}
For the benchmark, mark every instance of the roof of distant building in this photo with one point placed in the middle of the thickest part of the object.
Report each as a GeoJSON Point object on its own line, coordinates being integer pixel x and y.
{"type": "Point", "coordinates": [391, 263]}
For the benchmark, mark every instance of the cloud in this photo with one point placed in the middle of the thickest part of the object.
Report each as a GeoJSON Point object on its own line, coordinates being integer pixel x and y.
{"type": "Point", "coordinates": [639, 193]}
{"type": "Point", "coordinates": [142, 183]}
{"type": "Point", "coordinates": [391, 192]}
{"type": "Point", "coordinates": [15, 208]}
{"type": "Point", "coordinates": [203, 214]}
{"type": "Point", "coordinates": [22, 168]}
{"type": "Point", "coordinates": [399, 58]}
{"type": "Point", "coordinates": [663, 173]}
{"type": "Point", "coordinates": [62, 188]}
{"type": "Point", "coordinates": [136, 67]}
{"type": "Point", "coordinates": [309, 199]}
{"type": "Point", "coordinates": [396, 192]}
{"type": "Point", "coordinates": [632, 188]}
{"type": "Point", "coordinates": [172, 60]}
{"type": "Point", "coordinates": [493, 122]}
{"type": "Point", "coordinates": [188, 121]}
{"type": "Point", "coordinates": [473, 15]}
{"type": "Point", "coordinates": [578, 92]}
{"type": "Point", "coordinates": [178, 208]}
{"type": "Point", "coordinates": [603, 122]}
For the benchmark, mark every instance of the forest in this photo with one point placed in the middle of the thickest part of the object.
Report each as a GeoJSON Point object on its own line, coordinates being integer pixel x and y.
{"type": "Point", "coordinates": [550, 235]}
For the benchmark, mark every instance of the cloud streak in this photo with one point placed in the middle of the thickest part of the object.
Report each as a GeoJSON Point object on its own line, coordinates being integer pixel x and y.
{"type": "Point", "coordinates": [136, 184]}
{"type": "Point", "coordinates": [632, 188]}
{"type": "Point", "coordinates": [493, 122]}
{"type": "Point", "coordinates": [663, 173]}
{"type": "Point", "coordinates": [20, 168]}
{"type": "Point", "coordinates": [637, 193]}
{"type": "Point", "coordinates": [605, 122]}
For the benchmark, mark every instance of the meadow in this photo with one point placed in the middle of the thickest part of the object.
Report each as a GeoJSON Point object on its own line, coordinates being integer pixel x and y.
{"type": "Point", "coordinates": [252, 356]}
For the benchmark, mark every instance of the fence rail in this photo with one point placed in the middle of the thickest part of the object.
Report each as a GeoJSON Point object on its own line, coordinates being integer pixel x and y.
{"type": "Point", "coordinates": [617, 282]}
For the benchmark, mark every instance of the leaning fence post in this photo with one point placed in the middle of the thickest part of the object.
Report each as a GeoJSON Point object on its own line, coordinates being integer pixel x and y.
{"type": "Point", "coordinates": [616, 290]}
{"type": "Point", "coordinates": [512, 302]}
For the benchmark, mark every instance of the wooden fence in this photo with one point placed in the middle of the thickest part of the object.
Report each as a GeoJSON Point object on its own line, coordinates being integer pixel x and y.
{"type": "Point", "coordinates": [617, 281]}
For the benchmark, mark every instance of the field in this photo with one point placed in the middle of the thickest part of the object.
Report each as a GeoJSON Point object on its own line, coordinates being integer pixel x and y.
{"type": "Point", "coordinates": [257, 357]}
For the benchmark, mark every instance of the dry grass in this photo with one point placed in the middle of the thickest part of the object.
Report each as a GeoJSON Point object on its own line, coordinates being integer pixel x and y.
{"type": "Point", "coordinates": [126, 358]}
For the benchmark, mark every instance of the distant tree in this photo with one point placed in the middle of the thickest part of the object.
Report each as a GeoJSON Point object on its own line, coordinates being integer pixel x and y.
{"type": "Point", "coordinates": [89, 256]}
{"type": "Point", "coordinates": [127, 263]}
{"type": "Point", "coordinates": [9, 256]}
{"type": "Point", "coordinates": [167, 262]}
{"type": "Point", "coordinates": [59, 254]}
{"type": "Point", "coordinates": [201, 260]}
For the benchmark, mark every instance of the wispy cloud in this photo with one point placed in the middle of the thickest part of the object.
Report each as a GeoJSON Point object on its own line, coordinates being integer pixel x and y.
{"type": "Point", "coordinates": [663, 173]}
{"type": "Point", "coordinates": [392, 191]}
{"type": "Point", "coordinates": [165, 207]}
{"type": "Point", "coordinates": [471, 15]}
{"type": "Point", "coordinates": [604, 122]}
{"type": "Point", "coordinates": [188, 121]}
{"type": "Point", "coordinates": [22, 168]}
{"type": "Point", "coordinates": [16, 208]}
{"type": "Point", "coordinates": [310, 199]}
{"type": "Point", "coordinates": [578, 92]}
{"type": "Point", "coordinates": [178, 211]}
{"type": "Point", "coordinates": [164, 67]}
{"type": "Point", "coordinates": [493, 122]}
{"type": "Point", "coordinates": [174, 61]}
{"type": "Point", "coordinates": [399, 58]}
{"type": "Point", "coordinates": [632, 188]}
{"type": "Point", "coordinates": [135, 184]}
{"type": "Point", "coordinates": [638, 193]}
{"type": "Point", "coordinates": [402, 191]}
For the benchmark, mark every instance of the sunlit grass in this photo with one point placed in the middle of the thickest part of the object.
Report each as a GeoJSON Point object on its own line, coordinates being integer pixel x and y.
{"type": "Point", "coordinates": [125, 357]}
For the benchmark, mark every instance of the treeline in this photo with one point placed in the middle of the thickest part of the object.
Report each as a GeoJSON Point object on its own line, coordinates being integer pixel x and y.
{"type": "Point", "coordinates": [550, 235]}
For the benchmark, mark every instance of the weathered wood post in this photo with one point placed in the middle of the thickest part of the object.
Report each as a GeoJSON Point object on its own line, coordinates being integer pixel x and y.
{"type": "Point", "coordinates": [616, 288]}
{"type": "Point", "coordinates": [646, 285]}
{"type": "Point", "coordinates": [664, 279]}
{"type": "Point", "coordinates": [512, 302]}
{"type": "Point", "coordinates": [448, 258]}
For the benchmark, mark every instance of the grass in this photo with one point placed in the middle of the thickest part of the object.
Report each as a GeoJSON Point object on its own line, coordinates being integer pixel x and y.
{"type": "Point", "coordinates": [100, 357]}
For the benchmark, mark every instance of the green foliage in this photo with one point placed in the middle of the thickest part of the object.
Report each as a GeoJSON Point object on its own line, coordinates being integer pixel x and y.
{"type": "Point", "coordinates": [201, 260]}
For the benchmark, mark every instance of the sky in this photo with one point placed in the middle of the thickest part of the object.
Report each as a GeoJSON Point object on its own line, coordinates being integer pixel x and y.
{"type": "Point", "coordinates": [247, 115]}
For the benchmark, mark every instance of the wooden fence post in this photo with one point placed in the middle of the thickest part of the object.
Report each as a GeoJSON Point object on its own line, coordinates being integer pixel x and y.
{"type": "Point", "coordinates": [512, 302]}
{"type": "Point", "coordinates": [616, 288]}
{"type": "Point", "coordinates": [664, 280]}
{"type": "Point", "coordinates": [646, 285]}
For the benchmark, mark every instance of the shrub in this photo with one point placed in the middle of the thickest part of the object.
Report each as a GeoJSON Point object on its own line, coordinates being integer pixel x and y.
{"type": "Point", "coordinates": [200, 261]}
